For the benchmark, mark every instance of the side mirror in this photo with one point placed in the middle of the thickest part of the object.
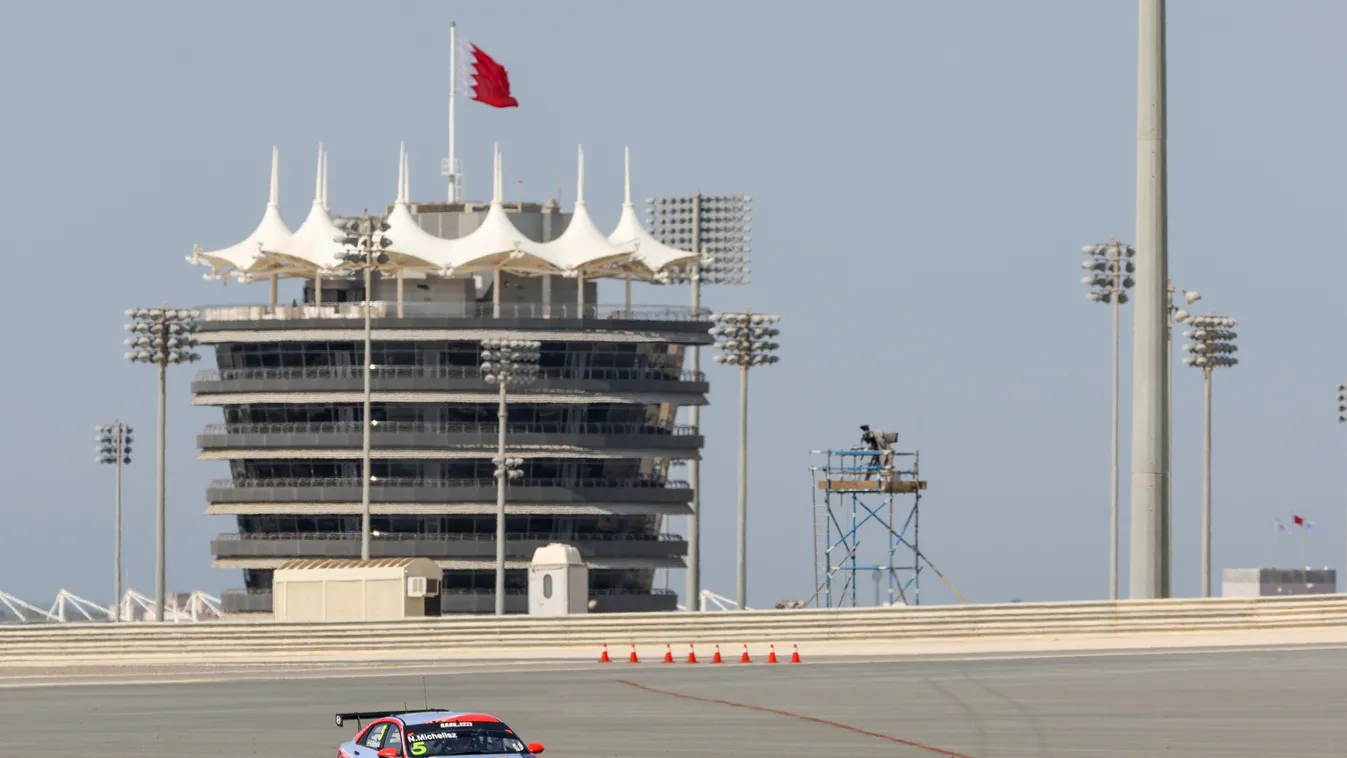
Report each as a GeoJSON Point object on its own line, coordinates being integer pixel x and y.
{"type": "Point", "coordinates": [535, 748]}
{"type": "Point", "coordinates": [389, 752]}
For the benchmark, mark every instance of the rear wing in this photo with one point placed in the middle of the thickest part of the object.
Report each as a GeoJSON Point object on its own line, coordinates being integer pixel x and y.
{"type": "Point", "coordinates": [360, 716]}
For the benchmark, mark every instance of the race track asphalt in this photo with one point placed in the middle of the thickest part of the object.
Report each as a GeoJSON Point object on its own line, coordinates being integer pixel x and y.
{"type": "Point", "coordinates": [1282, 703]}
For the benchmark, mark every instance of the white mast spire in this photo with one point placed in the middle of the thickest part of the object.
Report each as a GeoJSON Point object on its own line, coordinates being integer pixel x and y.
{"type": "Point", "coordinates": [580, 178]}
{"type": "Point", "coordinates": [626, 198]}
{"type": "Point", "coordinates": [275, 199]}
{"type": "Point", "coordinates": [318, 179]}
{"type": "Point", "coordinates": [325, 180]}
{"type": "Point", "coordinates": [402, 173]}
{"type": "Point", "coordinates": [497, 186]}
{"type": "Point", "coordinates": [451, 164]}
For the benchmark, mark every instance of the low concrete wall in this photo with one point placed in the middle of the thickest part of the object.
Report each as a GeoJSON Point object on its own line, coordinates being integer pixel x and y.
{"type": "Point", "coordinates": [1047, 627]}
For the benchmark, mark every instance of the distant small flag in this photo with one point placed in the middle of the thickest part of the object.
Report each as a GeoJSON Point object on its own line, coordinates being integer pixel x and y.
{"type": "Point", "coordinates": [486, 80]}
{"type": "Point", "coordinates": [1282, 527]}
{"type": "Point", "coordinates": [1298, 520]}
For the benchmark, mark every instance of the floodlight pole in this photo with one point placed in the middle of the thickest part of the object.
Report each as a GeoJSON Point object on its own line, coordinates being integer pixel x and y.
{"type": "Point", "coordinates": [1150, 469]}
{"type": "Point", "coordinates": [166, 337]}
{"type": "Point", "coordinates": [160, 528]}
{"type": "Point", "coordinates": [1206, 482]}
{"type": "Point", "coordinates": [741, 584]}
{"type": "Point", "coordinates": [501, 415]}
{"type": "Point", "coordinates": [114, 439]}
{"type": "Point", "coordinates": [366, 424]}
{"type": "Point", "coordinates": [694, 575]}
{"type": "Point", "coordinates": [117, 529]}
{"type": "Point", "coordinates": [1113, 453]}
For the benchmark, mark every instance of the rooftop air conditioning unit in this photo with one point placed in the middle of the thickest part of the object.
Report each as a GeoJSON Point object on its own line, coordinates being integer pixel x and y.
{"type": "Point", "coordinates": [416, 586]}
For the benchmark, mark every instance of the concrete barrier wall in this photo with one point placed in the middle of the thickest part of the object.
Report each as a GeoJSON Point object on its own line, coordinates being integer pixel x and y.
{"type": "Point", "coordinates": [978, 628]}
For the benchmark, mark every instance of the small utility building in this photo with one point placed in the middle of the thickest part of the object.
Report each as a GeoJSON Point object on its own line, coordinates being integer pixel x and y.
{"type": "Point", "coordinates": [382, 589]}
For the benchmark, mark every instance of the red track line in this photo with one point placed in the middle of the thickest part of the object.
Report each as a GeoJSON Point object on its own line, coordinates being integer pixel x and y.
{"type": "Point", "coordinates": [799, 717]}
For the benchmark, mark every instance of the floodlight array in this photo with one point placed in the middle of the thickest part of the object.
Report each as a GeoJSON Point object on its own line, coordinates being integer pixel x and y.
{"type": "Point", "coordinates": [1111, 268]}
{"type": "Point", "coordinates": [1213, 342]}
{"type": "Point", "coordinates": [510, 361]}
{"type": "Point", "coordinates": [162, 336]}
{"type": "Point", "coordinates": [717, 226]}
{"type": "Point", "coordinates": [112, 441]}
{"type": "Point", "coordinates": [745, 339]}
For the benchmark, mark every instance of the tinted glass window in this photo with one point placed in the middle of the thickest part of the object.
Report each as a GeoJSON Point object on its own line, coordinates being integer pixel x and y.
{"type": "Point", "coordinates": [462, 738]}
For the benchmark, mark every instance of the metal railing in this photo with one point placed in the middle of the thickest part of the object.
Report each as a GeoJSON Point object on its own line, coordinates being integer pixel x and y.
{"type": "Point", "coordinates": [412, 427]}
{"type": "Point", "coordinates": [445, 537]}
{"type": "Point", "coordinates": [674, 484]}
{"type": "Point", "coordinates": [386, 310]}
{"type": "Point", "coordinates": [645, 374]}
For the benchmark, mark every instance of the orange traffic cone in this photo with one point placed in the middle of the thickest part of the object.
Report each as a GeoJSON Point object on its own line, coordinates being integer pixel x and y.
{"type": "Point", "coordinates": [632, 658]}
{"type": "Point", "coordinates": [692, 654]}
{"type": "Point", "coordinates": [794, 653]}
{"type": "Point", "coordinates": [716, 658]}
{"type": "Point", "coordinates": [668, 653]}
{"type": "Point", "coordinates": [604, 658]}
{"type": "Point", "coordinates": [744, 658]}
{"type": "Point", "coordinates": [771, 655]}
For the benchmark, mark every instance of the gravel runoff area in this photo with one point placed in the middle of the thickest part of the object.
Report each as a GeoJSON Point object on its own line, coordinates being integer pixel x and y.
{"type": "Point", "coordinates": [1227, 704]}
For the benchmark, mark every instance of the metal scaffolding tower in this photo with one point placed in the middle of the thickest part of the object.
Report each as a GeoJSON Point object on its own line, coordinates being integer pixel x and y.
{"type": "Point", "coordinates": [864, 503]}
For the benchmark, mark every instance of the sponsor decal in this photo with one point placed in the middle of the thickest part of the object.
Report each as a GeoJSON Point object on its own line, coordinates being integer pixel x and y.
{"type": "Point", "coordinates": [436, 736]}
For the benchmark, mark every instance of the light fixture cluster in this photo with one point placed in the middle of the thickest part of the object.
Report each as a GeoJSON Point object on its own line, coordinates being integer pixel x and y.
{"type": "Point", "coordinates": [1212, 343]}
{"type": "Point", "coordinates": [509, 361]}
{"type": "Point", "coordinates": [162, 336]}
{"type": "Point", "coordinates": [745, 339]}
{"type": "Point", "coordinates": [717, 226]}
{"type": "Point", "coordinates": [365, 240]}
{"type": "Point", "coordinates": [113, 441]}
{"type": "Point", "coordinates": [1111, 268]}
{"type": "Point", "coordinates": [510, 468]}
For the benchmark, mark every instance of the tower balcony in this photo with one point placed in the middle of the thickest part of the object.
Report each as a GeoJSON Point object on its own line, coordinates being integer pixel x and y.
{"type": "Point", "coordinates": [680, 324]}
{"type": "Point", "coordinates": [445, 379]}
{"type": "Point", "coordinates": [518, 546]}
{"type": "Point", "coordinates": [409, 439]}
{"type": "Point", "coordinates": [403, 496]}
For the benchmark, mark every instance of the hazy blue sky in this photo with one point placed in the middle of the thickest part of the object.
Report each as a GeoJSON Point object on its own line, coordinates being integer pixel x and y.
{"type": "Point", "coordinates": [924, 175]}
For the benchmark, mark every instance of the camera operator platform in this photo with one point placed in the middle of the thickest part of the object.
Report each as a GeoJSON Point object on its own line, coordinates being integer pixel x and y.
{"type": "Point", "coordinates": [860, 513]}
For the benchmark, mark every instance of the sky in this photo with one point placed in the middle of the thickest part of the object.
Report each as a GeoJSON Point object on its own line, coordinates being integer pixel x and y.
{"type": "Point", "coordinates": [923, 174]}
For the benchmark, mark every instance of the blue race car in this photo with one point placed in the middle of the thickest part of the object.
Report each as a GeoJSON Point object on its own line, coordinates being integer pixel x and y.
{"type": "Point", "coordinates": [431, 733]}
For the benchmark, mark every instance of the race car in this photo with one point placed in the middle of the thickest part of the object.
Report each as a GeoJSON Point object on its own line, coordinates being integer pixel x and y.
{"type": "Point", "coordinates": [431, 733]}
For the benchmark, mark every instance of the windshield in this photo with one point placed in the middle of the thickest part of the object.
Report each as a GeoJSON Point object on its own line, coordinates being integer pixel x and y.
{"type": "Point", "coordinates": [452, 738]}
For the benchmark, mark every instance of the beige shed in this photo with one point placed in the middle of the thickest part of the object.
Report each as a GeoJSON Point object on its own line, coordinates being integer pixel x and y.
{"type": "Point", "coordinates": [382, 589]}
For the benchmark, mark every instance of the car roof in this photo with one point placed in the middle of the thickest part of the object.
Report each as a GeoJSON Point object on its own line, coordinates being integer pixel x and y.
{"type": "Point", "coordinates": [431, 717]}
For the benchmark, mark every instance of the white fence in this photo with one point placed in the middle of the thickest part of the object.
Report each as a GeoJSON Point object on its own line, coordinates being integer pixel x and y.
{"type": "Point", "coordinates": [1048, 626]}
{"type": "Point", "coordinates": [71, 608]}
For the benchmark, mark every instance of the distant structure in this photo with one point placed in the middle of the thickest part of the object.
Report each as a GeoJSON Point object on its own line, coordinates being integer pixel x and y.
{"type": "Point", "coordinates": [596, 431]}
{"type": "Point", "coordinates": [857, 494]}
{"type": "Point", "coordinates": [1269, 582]}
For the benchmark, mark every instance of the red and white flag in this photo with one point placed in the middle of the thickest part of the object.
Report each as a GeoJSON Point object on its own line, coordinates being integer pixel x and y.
{"type": "Point", "coordinates": [484, 79]}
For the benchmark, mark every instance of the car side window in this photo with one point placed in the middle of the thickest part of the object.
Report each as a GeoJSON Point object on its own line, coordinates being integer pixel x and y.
{"type": "Point", "coordinates": [375, 736]}
{"type": "Point", "coordinates": [394, 738]}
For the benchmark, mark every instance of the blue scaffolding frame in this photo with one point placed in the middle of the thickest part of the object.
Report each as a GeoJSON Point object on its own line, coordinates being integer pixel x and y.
{"type": "Point", "coordinates": [860, 488]}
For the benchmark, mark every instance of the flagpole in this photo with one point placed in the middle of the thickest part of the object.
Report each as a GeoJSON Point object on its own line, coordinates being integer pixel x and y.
{"type": "Point", "coordinates": [452, 170]}
{"type": "Point", "coordinates": [1276, 544]}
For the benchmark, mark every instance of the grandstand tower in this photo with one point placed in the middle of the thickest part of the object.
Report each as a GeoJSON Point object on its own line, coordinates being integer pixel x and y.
{"type": "Point", "coordinates": [597, 431]}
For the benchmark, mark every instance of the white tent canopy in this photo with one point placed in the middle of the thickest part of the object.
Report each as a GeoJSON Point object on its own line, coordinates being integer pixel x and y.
{"type": "Point", "coordinates": [271, 232]}
{"type": "Point", "coordinates": [272, 250]}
